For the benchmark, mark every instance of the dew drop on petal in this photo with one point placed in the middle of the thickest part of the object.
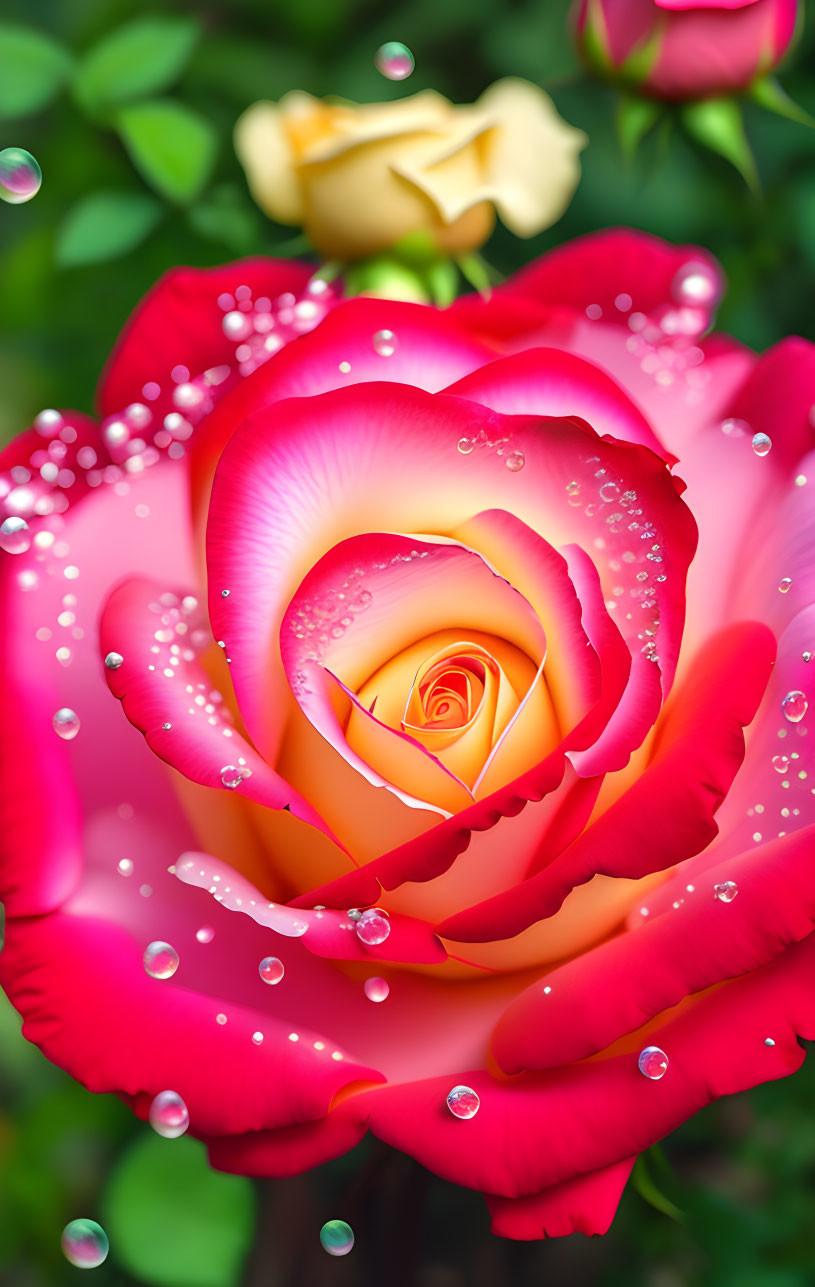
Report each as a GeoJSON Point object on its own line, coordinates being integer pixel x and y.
{"type": "Point", "coordinates": [125, 867]}
{"type": "Point", "coordinates": [14, 535]}
{"type": "Point", "coordinates": [515, 461]}
{"type": "Point", "coordinates": [761, 443]}
{"type": "Point", "coordinates": [784, 584]}
{"type": "Point", "coordinates": [652, 1063]}
{"type": "Point", "coordinates": [169, 1115]}
{"type": "Point", "coordinates": [20, 176]}
{"type": "Point", "coordinates": [232, 776]}
{"type": "Point", "coordinates": [66, 723]}
{"type": "Point", "coordinates": [205, 934]}
{"type": "Point", "coordinates": [726, 891]}
{"type": "Point", "coordinates": [114, 660]}
{"type": "Point", "coordinates": [373, 927]}
{"type": "Point", "coordinates": [384, 343]}
{"type": "Point", "coordinates": [236, 326]}
{"type": "Point", "coordinates": [465, 446]}
{"type": "Point", "coordinates": [160, 960]}
{"type": "Point", "coordinates": [794, 706]}
{"type": "Point", "coordinates": [257, 1037]}
{"type": "Point", "coordinates": [271, 970]}
{"type": "Point", "coordinates": [463, 1102]}
{"type": "Point", "coordinates": [696, 284]}
{"type": "Point", "coordinates": [394, 60]}
{"type": "Point", "coordinates": [337, 1237]}
{"type": "Point", "coordinates": [376, 989]}
{"type": "Point", "coordinates": [781, 763]}
{"type": "Point", "coordinates": [85, 1244]}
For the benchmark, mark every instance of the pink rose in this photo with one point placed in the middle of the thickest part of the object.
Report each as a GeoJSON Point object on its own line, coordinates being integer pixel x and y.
{"type": "Point", "coordinates": [398, 610]}
{"type": "Point", "coordinates": [685, 48]}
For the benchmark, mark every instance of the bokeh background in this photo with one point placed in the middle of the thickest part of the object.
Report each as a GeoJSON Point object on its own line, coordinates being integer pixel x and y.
{"type": "Point", "coordinates": [729, 1201]}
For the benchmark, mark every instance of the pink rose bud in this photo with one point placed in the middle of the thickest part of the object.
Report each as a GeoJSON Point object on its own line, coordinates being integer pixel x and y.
{"type": "Point", "coordinates": [679, 49]}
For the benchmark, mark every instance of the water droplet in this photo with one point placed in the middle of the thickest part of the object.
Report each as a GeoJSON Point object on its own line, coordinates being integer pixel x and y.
{"type": "Point", "coordinates": [384, 343]}
{"type": "Point", "coordinates": [376, 989]}
{"type": "Point", "coordinates": [609, 492]}
{"type": "Point", "coordinates": [20, 176]}
{"type": "Point", "coordinates": [66, 723]}
{"type": "Point", "coordinates": [463, 1102]}
{"type": "Point", "coordinates": [806, 656]}
{"type": "Point", "coordinates": [761, 443]}
{"type": "Point", "coordinates": [220, 1019]}
{"type": "Point", "coordinates": [726, 891]}
{"type": "Point", "coordinates": [224, 594]}
{"type": "Point", "coordinates": [205, 934]}
{"type": "Point", "coordinates": [232, 776]}
{"type": "Point", "coordinates": [781, 763]}
{"type": "Point", "coordinates": [271, 970]}
{"type": "Point", "coordinates": [515, 461]}
{"type": "Point", "coordinates": [394, 60]}
{"type": "Point", "coordinates": [236, 326]}
{"type": "Point", "coordinates": [465, 446]}
{"type": "Point", "coordinates": [85, 1244]}
{"type": "Point", "coordinates": [794, 706]}
{"type": "Point", "coordinates": [114, 660]}
{"type": "Point", "coordinates": [337, 1237]}
{"type": "Point", "coordinates": [257, 1037]}
{"type": "Point", "coordinates": [768, 1041]}
{"type": "Point", "coordinates": [784, 584]}
{"type": "Point", "coordinates": [169, 1115]}
{"type": "Point", "coordinates": [373, 927]}
{"type": "Point", "coordinates": [125, 867]}
{"type": "Point", "coordinates": [696, 284]}
{"type": "Point", "coordinates": [14, 535]}
{"type": "Point", "coordinates": [160, 960]}
{"type": "Point", "coordinates": [652, 1063]}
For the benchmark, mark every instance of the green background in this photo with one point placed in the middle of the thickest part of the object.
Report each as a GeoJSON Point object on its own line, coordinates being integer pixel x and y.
{"type": "Point", "coordinates": [743, 1172]}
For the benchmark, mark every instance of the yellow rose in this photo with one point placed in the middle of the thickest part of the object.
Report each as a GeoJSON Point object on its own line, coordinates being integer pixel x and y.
{"type": "Point", "coordinates": [358, 178]}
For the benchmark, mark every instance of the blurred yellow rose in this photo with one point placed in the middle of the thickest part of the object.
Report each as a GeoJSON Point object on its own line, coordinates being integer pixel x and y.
{"type": "Point", "coordinates": [358, 178]}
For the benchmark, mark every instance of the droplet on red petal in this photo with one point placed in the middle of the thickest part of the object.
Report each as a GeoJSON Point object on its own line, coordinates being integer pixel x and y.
{"type": "Point", "coordinates": [169, 1115]}
{"type": "Point", "coordinates": [160, 960]}
{"type": "Point", "coordinates": [463, 1102]}
{"type": "Point", "coordinates": [373, 927]}
{"type": "Point", "coordinates": [652, 1063]}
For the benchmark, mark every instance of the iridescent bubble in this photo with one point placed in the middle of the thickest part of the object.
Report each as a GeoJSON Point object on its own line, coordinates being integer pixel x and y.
{"type": "Point", "coordinates": [20, 176]}
{"type": "Point", "coordinates": [114, 660]}
{"type": "Point", "coordinates": [376, 989]}
{"type": "Point", "coordinates": [66, 723]}
{"type": "Point", "coordinates": [337, 1237]}
{"type": "Point", "coordinates": [652, 1063]}
{"type": "Point", "coordinates": [160, 960]}
{"type": "Point", "coordinates": [726, 891]}
{"type": "Point", "coordinates": [373, 927]}
{"type": "Point", "coordinates": [463, 1102]}
{"type": "Point", "coordinates": [271, 970]}
{"type": "Point", "coordinates": [14, 535]}
{"type": "Point", "coordinates": [394, 60]}
{"type": "Point", "coordinates": [384, 343]}
{"type": "Point", "coordinates": [794, 706]}
{"type": "Point", "coordinates": [761, 443]}
{"type": "Point", "coordinates": [85, 1244]}
{"type": "Point", "coordinates": [169, 1115]}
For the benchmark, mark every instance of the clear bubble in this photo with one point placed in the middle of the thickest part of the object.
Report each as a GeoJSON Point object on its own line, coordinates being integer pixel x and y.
{"type": "Point", "coordinates": [394, 60]}
{"type": "Point", "coordinates": [652, 1063]}
{"type": "Point", "coordinates": [85, 1244]}
{"type": "Point", "coordinates": [781, 763]}
{"type": "Point", "coordinates": [66, 723]}
{"type": "Point", "coordinates": [169, 1115]}
{"type": "Point", "coordinates": [114, 660]}
{"type": "Point", "coordinates": [465, 445]}
{"type": "Point", "coordinates": [20, 176]}
{"type": "Point", "coordinates": [232, 776]}
{"type": "Point", "coordinates": [337, 1237]}
{"type": "Point", "coordinates": [271, 969]}
{"type": "Point", "coordinates": [384, 343]}
{"type": "Point", "coordinates": [726, 891]}
{"type": "Point", "coordinates": [373, 927]}
{"type": "Point", "coordinates": [463, 1102]}
{"type": "Point", "coordinates": [14, 535]}
{"type": "Point", "coordinates": [376, 989]}
{"type": "Point", "coordinates": [160, 960]}
{"type": "Point", "coordinates": [784, 584]}
{"type": "Point", "coordinates": [794, 706]}
{"type": "Point", "coordinates": [514, 461]}
{"type": "Point", "coordinates": [761, 443]}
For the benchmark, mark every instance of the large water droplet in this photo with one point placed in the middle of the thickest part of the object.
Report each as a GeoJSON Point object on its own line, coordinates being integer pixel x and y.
{"type": "Point", "coordinates": [271, 970]}
{"type": "Point", "coordinates": [337, 1237]}
{"type": "Point", "coordinates": [781, 763]}
{"type": "Point", "coordinates": [114, 660]}
{"type": "Point", "coordinates": [696, 284]}
{"type": "Point", "coordinates": [205, 934]}
{"type": "Point", "coordinates": [85, 1244]}
{"type": "Point", "coordinates": [726, 891]}
{"type": "Point", "coordinates": [232, 776]}
{"type": "Point", "coordinates": [20, 176]}
{"type": "Point", "coordinates": [66, 723]}
{"type": "Point", "coordinates": [463, 1102]}
{"type": "Point", "coordinates": [394, 60]}
{"type": "Point", "coordinates": [794, 706]}
{"type": "Point", "coordinates": [373, 927]}
{"type": "Point", "coordinates": [384, 343]}
{"type": "Point", "coordinates": [761, 443]}
{"type": "Point", "coordinates": [465, 445]}
{"type": "Point", "coordinates": [169, 1115]}
{"type": "Point", "coordinates": [236, 326]}
{"type": "Point", "coordinates": [652, 1063]}
{"type": "Point", "coordinates": [784, 584]}
{"type": "Point", "coordinates": [515, 461]}
{"type": "Point", "coordinates": [160, 960]}
{"type": "Point", "coordinates": [376, 989]}
{"type": "Point", "coordinates": [14, 535]}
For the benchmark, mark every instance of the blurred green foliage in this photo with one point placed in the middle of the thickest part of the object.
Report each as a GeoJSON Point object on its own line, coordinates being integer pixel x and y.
{"type": "Point", "coordinates": [129, 109]}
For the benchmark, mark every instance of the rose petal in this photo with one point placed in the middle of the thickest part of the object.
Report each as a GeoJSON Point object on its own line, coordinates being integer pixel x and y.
{"type": "Point", "coordinates": [586, 1204]}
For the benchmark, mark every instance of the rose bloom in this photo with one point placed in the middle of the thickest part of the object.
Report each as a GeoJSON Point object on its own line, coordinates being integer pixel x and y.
{"type": "Point", "coordinates": [679, 49]}
{"type": "Point", "coordinates": [427, 769]}
{"type": "Point", "coordinates": [421, 165]}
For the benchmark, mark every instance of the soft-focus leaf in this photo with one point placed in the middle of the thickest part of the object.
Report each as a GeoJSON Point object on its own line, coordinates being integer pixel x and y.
{"type": "Point", "coordinates": [227, 218]}
{"type": "Point", "coordinates": [173, 1221]}
{"type": "Point", "coordinates": [170, 145]}
{"type": "Point", "coordinates": [767, 92]}
{"type": "Point", "coordinates": [635, 118]}
{"type": "Point", "coordinates": [717, 124]}
{"type": "Point", "coordinates": [106, 225]}
{"type": "Point", "coordinates": [33, 70]}
{"type": "Point", "coordinates": [140, 58]}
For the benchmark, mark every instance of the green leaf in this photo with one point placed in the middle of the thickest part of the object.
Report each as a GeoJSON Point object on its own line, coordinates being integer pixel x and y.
{"type": "Point", "coordinates": [106, 225]}
{"type": "Point", "coordinates": [767, 92]}
{"type": "Point", "coordinates": [442, 282]}
{"type": "Point", "coordinates": [386, 277]}
{"type": "Point", "coordinates": [33, 69]}
{"type": "Point", "coordinates": [476, 272]}
{"type": "Point", "coordinates": [171, 146]}
{"type": "Point", "coordinates": [173, 1221]}
{"type": "Point", "coordinates": [140, 58]}
{"type": "Point", "coordinates": [635, 117]}
{"type": "Point", "coordinates": [225, 215]}
{"type": "Point", "coordinates": [717, 124]}
{"type": "Point", "coordinates": [650, 1192]}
